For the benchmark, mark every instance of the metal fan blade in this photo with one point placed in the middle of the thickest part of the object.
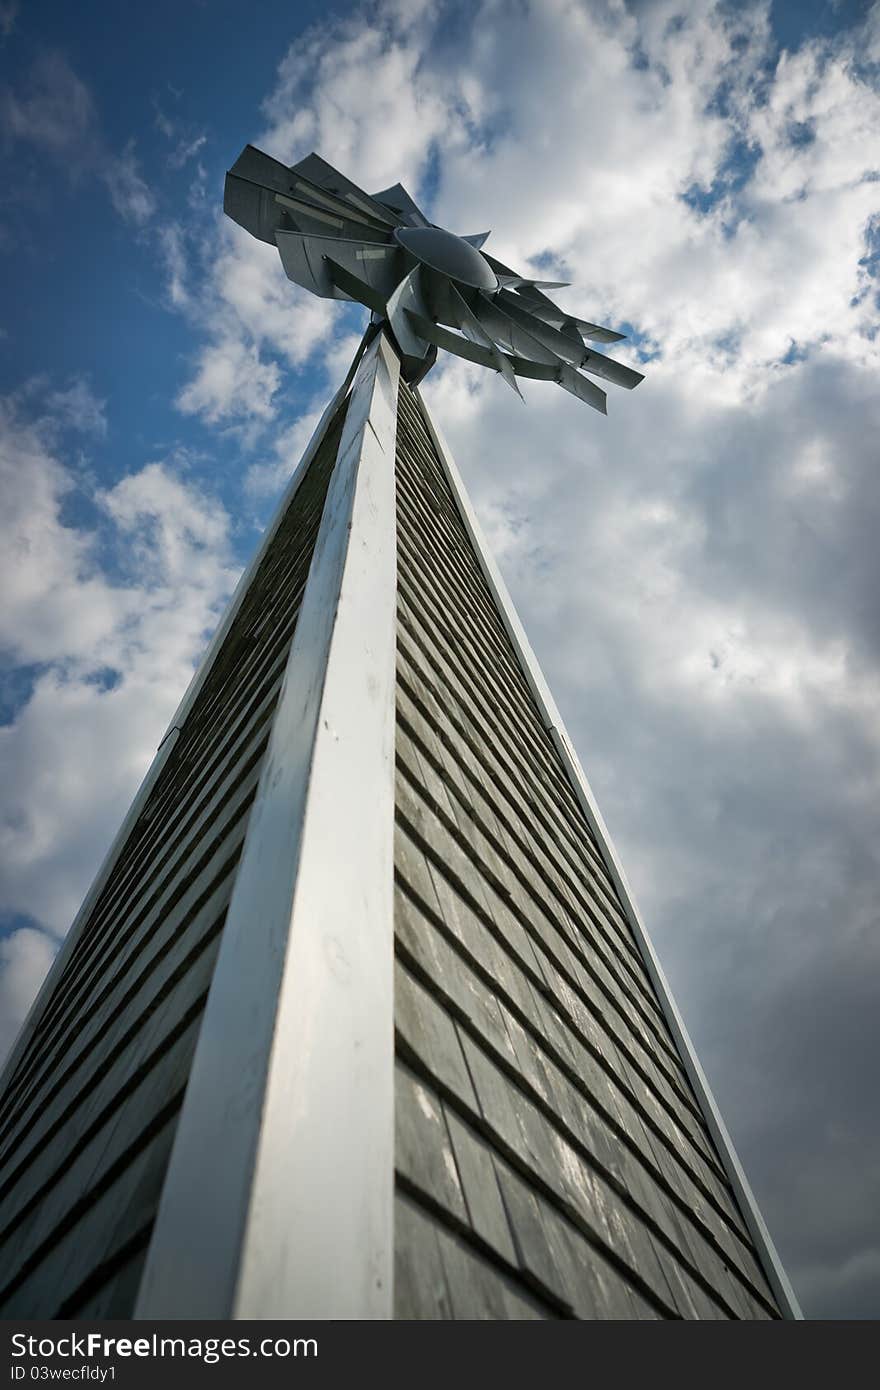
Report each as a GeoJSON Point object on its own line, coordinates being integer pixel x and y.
{"type": "Point", "coordinates": [320, 221]}
{"type": "Point", "coordinates": [356, 288]}
{"type": "Point", "coordinates": [249, 193]}
{"type": "Point", "coordinates": [570, 345]}
{"type": "Point", "coordinates": [479, 240]}
{"type": "Point", "coordinates": [539, 304]}
{"type": "Point", "coordinates": [509, 334]}
{"type": "Point", "coordinates": [565, 377]}
{"type": "Point", "coordinates": [450, 307]}
{"type": "Point", "coordinates": [322, 174]}
{"type": "Point", "coordinates": [606, 367]}
{"type": "Point", "coordinates": [515, 282]}
{"type": "Point", "coordinates": [305, 262]}
{"type": "Point", "coordinates": [561, 344]}
{"type": "Point", "coordinates": [397, 200]}
{"type": "Point", "coordinates": [583, 388]}
{"type": "Point", "coordinates": [263, 195]}
{"type": "Point", "coordinates": [408, 296]}
{"type": "Point", "coordinates": [451, 342]}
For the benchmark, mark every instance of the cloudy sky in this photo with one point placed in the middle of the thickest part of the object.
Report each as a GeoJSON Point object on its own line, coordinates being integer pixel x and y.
{"type": "Point", "coordinates": [698, 573]}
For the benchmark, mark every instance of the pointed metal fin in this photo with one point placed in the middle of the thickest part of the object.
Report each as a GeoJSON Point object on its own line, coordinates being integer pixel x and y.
{"type": "Point", "coordinates": [319, 172]}
{"type": "Point", "coordinates": [408, 296]}
{"type": "Point", "coordinates": [561, 344]}
{"type": "Point", "coordinates": [398, 201]}
{"type": "Point", "coordinates": [455, 343]}
{"type": "Point", "coordinates": [599, 365]}
{"type": "Point", "coordinates": [451, 308]}
{"type": "Point", "coordinates": [305, 262]}
{"type": "Point", "coordinates": [509, 334]}
{"type": "Point", "coordinates": [354, 286]}
{"type": "Point", "coordinates": [516, 282]}
{"type": "Point", "coordinates": [583, 388]}
{"type": "Point", "coordinates": [479, 240]}
{"type": "Point", "coordinates": [249, 193]}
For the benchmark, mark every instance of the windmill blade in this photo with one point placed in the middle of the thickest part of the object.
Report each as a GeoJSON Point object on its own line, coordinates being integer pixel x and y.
{"type": "Point", "coordinates": [450, 307]}
{"type": "Point", "coordinates": [329, 180]}
{"type": "Point", "coordinates": [566, 377]}
{"type": "Point", "coordinates": [320, 221]}
{"type": "Point", "coordinates": [561, 344]}
{"type": "Point", "coordinates": [510, 335]}
{"type": "Point", "coordinates": [263, 195]}
{"type": "Point", "coordinates": [527, 349]}
{"type": "Point", "coordinates": [585, 390]}
{"type": "Point", "coordinates": [408, 302]}
{"type": "Point", "coordinates": [538, 303]}
{"type": "Point", "coordinates": [600, 365]}
{"type": "Point", "coordinates": [398, 201]}
{"type": "Point", "coordinates": [345, 208]}
{"type": "Point", "coordinates": [356, 288]}
{"type": "Point", "coordinates": [249, 193]}
{"type": "Point", "coordinates": [478, 240]}
{"type": "Point", "coordinates": [451, 342]}
{"type": "Point", "coordinates": [305, 262]}
{"type": "Point", "coordinates": [570, 346]}
{"type": "Point", "coordinates": [515, 282]}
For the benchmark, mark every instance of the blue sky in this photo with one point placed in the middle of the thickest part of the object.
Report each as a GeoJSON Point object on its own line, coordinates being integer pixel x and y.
{"type": "Point", "coordinates": [698, 573]}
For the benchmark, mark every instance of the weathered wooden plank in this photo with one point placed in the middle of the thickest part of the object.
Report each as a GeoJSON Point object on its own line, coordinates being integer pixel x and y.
{"type": "Point", "coordinates": [423, 1153]}
{"type": "Point", "coordinates": [485, 1205]}
{"type": "Point", "coordinates": [428, 1034]}
{"type": "Point", "coordinates": [438, 1277]}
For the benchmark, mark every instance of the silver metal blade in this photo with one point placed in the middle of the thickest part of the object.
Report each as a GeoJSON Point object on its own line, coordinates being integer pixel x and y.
{"type": "Point", "coordinates": [606, 367]}
{"type": "Point", "coordinates": [584, 389]}
{"type": "Point", "coordinates": [515, 282]}
{"type": "Point", "coordinates": [479, 240]}
{"type": "Point", "coordinates": [509, 334]}
{"type": "Point", "coordinates": [249, 193]}
{"type": "Point", "coordinates": [561, 344]}
{"type": "Point", "coordinates": [356, 288]}
{"type": "Point", "coordinates": [551, 313]}
{"type": "Point", "coordinates": [305, 262]}
{"type": "Point", "coordinates": [398, 201]}
{"type": "Point", "coordinates": [455, 343]}
{"type": "Point", "coordinates": [408, 296]}
{"type": "Point", "coordinates": [330, 180]}
{"type": "Point", "coordinates": [317, 220]}
{"type": "Point", "coordinates": [450, 307]}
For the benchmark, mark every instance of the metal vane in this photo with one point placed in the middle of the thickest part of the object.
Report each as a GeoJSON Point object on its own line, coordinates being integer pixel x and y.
{"type": "Point", "coordinates": [431, 288]}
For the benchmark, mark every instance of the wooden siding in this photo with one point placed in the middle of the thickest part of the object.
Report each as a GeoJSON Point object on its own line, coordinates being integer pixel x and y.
{"type": "Point", "coordinates": [551, 1158]}
{"type": "Point", "coordinates": [89, 1115]}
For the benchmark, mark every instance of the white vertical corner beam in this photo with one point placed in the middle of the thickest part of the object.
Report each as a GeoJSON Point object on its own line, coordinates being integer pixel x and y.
{"type": "Point", "coordinates": [277, 1202]}
{"type": "Point", "coordinates": [169, 738]}
{"type": "Point", "coordinates": [768, 1256]}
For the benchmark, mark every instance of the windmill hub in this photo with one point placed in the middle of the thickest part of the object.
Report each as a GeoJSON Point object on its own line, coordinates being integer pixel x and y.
{"type": "Point", "coordinates": [448, 253]}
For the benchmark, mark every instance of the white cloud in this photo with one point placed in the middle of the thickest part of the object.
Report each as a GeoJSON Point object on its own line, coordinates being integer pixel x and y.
{"type": "Point", "coordinates": [25, 956]}
{"type": "Point", "coordinates": [129, 193]}
{"type": "Point", "coordinates": [113, 655]}
{"type": "Point", "coordinates": [172, 247]}
{"type": "Point", "coordinates": [79, 408]}
{"type": "Point", "coordinates": [232, 380]}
